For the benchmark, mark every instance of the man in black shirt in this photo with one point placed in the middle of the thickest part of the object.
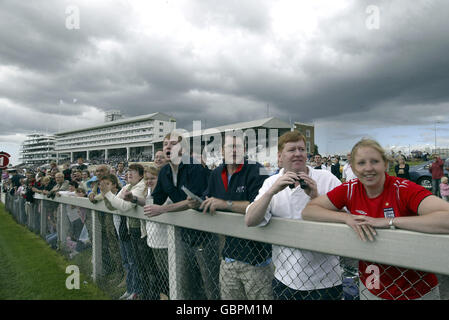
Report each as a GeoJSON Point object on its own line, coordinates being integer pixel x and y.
{"type": "Point", "coordinates": [81, 165]}
{"type": "Point", "coordinates": [246, 271]}
{"type": "Point", "coordinates": [335, 168]}
{"type": "Point", "coordinates": [200, 279]}
{"type": "Point", "coordinates": [319, 162]}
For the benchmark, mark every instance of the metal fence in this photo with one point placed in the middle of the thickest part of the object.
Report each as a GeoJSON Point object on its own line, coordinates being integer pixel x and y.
{"type": "Point", "coordinates": [186, 255]}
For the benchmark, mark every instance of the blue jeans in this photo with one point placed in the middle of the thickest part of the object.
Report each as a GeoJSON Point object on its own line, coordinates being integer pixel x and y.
{"type": "Point", "coordinates": [282, 292]}
{"type": "Point", "coordinates": [436, 187]}
{"type": "Point", "coordinates": [129, 265]}
{"type": "Point", "coordinates": [202, 268]}
{"type": "Point", "coordinates": [145, 266]}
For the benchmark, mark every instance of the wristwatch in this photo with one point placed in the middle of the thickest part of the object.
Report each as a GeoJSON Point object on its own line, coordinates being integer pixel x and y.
{"type": "Point", "coordinates": [134, 199]}
{"type": "Point", "coordinates": [229, 202]}
{"type": "Point", "coordinates": [390, 224]}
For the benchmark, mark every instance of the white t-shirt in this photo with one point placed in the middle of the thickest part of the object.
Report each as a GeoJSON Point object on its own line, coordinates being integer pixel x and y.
{"type": "Point", "coordinates": [71, 211]}
{"type": "Point", "coordinates": [297, 268]}
{"type": "Point", "coordinates": [157, 235]}
{"type": "Point", "coordinates": [347, 172]}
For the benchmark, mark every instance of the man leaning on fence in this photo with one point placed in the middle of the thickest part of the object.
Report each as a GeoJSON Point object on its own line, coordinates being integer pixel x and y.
{"type": "Point", "coordinates": [299, 274]}
{"type": "Point", "coordinates": [201, 262]}
{"type": "Point", "coordinates": [246, 270]}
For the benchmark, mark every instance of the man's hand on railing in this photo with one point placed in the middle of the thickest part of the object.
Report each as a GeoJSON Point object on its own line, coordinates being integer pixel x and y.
{"type": "Point", "coordinates": [212, 204]}
{"type": "Point", "coordinates": [92, 198]}
{"type": "Point", "coordinates": [153, 210]}
{"type": "Point", "coordinates": [192, 203]}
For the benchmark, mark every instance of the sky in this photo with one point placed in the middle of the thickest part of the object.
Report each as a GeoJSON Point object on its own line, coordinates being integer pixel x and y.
{"type": "Point", "coordinates": [353, 68]}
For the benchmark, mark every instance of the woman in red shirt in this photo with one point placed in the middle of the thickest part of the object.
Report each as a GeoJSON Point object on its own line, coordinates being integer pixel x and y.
{"type": "Point", "coordinates": [377, 200]}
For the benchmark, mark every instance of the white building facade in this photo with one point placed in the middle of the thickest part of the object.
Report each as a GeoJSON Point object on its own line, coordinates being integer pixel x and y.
{"type": "Point", "coordinates": [38, 149]}
{"type": "Point", "coordinates": [128, 139]}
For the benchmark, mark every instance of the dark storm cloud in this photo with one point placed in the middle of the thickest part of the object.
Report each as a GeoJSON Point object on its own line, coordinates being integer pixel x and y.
{"type": "Point", "coordinates": [403, 63]}
{"type": "Point", "coordinates": [344, 71]}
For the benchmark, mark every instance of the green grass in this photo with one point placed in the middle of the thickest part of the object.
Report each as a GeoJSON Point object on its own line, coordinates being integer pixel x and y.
{"type": "Point", "coordinates": [31, 270]}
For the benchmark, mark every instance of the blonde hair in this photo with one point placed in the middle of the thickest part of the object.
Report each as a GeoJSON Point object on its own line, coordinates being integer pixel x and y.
{"type": "Point", "coordinates": [46, 179]}
{"type": "Point", "coordinates": [444, 179]}
{"type": "Point", "coordinates": [368, 143]}
{"type": "Point", "coordinates": [152, 169]}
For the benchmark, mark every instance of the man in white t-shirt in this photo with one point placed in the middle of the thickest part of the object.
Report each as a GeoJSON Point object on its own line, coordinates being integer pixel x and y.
{"type": "Point", "coordinates": [300, 274]}
{"type": "Point", "coordinates": [347, 173]}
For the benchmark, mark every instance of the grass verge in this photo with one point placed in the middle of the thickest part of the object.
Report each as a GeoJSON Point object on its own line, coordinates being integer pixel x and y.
{"type": "Point", "coordinates": [31, 270]}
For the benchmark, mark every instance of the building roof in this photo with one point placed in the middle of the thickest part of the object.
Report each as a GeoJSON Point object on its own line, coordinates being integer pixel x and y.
{"type": "Point", "coordinates": [268, 123]}
{"type": "Point", "coordinates": [154, 116]}
{"type": "Point", "coordinates": [304, 124]}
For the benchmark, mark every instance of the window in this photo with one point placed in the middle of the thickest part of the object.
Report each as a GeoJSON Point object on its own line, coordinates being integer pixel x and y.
{"type": "Point", "coordinates": [308, 146]}
{"type": "Point", "coordinates": [308, 133]}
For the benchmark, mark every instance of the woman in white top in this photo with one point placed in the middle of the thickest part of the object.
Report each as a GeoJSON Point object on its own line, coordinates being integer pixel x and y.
{"type": "Point", "coordinates": [157, 237]}
{"type": "Point", "coordinates": [140, 250]}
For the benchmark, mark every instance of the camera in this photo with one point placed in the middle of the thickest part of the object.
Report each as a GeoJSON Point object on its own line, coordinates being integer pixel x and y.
{"type": "Point", "coordinates": [51, 195]}
{"type": "Point", "coordinates": [302, 184]}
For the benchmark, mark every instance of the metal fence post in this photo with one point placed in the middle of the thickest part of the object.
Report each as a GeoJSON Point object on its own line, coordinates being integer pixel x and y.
{"type": "Point", "coordinates": [63, 224]}
{"type": "Point", "coordinates": [21, 211]}
{"type": "Point", "coordinates": [175, 263]}
{"type": "Point", "coordinates": [43, 213]}
{"type": "Point", "coordinates": [28, 213]}
{"type": "Point", "coordinates": [97, 265]}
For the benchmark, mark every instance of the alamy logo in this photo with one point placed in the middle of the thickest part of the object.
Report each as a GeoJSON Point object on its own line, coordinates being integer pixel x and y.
{"type": "Point", "coordinates": [240, 189]}
{"type": "Point", "coordinates": [73, 280]}
{"type": "Point", "coordinates": [372, 22]}
{"type": "Point", "coordinates": [72, 21]}
{"type": "Point", "coordinates": [373, 280]}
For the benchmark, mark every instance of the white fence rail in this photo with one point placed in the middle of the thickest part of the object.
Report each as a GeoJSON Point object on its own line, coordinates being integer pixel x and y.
{"type": "Point", "coordinates": [414, 250]}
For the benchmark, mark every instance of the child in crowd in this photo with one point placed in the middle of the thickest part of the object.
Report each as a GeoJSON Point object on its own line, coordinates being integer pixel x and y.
{"type": "Point", "coordinates": [444, 188]}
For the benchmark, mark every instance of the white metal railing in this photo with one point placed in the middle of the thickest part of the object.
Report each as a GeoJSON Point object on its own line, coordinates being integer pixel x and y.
{"type": "Point", "coordinates": [414, 250]}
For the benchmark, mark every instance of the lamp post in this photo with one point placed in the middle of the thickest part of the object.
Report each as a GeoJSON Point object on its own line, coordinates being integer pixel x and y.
{"type": "Point", "coordinates": [436, 121]}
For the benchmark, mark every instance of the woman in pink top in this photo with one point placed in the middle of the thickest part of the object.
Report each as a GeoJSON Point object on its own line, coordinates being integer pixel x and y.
{"type": "Point", "coordinates": [444, 188]}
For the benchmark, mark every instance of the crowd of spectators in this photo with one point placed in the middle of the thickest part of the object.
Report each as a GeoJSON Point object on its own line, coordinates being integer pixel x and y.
{"type": "Point", "coordinates": [234, 269]}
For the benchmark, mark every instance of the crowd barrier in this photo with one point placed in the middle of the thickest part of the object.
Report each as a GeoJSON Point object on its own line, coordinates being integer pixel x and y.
{"type": "Point", "coordinates": [184, 258]}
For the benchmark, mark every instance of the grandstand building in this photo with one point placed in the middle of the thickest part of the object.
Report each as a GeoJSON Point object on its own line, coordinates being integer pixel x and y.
{"type": "Point", "coordinates": [38, 149]}
{"type": "Point", "coordinates": [117, 139]}
{"type": "Point", "coordinates": [261, 130]}
{"type": "Point", "coordinates": [308, 130]}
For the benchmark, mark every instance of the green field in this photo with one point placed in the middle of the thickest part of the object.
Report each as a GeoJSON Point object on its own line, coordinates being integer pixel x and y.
{"type": "Point", "coordinates": [31, 270]}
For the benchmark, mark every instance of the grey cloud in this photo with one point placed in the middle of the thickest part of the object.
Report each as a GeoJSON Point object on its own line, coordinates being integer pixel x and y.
{"type": "Point", "coordinates": [251, 15]}
{"type": "Point", "coordinates": [397, 70]}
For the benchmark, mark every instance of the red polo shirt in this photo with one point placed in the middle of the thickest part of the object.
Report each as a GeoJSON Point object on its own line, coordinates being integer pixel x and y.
{"type": "Point", "coordinates": [399, 198]}
{"type": "Point", "coordinates": [437, 169]}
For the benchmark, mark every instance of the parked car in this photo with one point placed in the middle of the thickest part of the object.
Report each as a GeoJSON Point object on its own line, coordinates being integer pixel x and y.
{"type": "Point", "coordinates": [420, 173]}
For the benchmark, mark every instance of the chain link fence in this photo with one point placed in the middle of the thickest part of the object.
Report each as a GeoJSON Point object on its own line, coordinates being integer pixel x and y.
{"type": "Point", "coordinates": [131, 258]}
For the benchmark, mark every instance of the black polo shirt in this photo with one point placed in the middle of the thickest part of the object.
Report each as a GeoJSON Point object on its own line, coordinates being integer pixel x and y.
{"type": "Point", "coordinates": [244, 185]}
{"type": "Point", "coordinates": [194, 177]}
